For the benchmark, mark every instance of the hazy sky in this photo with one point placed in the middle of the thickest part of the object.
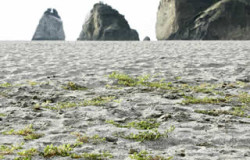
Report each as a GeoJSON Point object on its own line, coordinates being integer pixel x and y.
{"type": "Point", "coordinates": [19, 18]}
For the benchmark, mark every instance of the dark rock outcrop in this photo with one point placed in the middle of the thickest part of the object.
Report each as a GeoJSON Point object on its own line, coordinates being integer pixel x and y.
{"type": "Point", "coordinates": [203, 20]}
{"type": "Point", "coordinates": [105, 23]}
{"type": "Point", "coordinates": [146, 38]}
{"type": "Point", "coordinates": [50, 27]}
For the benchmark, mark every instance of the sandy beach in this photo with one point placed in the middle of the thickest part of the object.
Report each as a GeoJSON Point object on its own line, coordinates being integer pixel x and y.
{"type": "Point", "coordinates": [125, 100]}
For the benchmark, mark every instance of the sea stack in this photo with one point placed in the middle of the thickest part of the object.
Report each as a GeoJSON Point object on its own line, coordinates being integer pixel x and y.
{"type": "Point", "coordinates": [50, 27]}
{"type": "Point", "coordinates": [203, 20]}
{"type": "Point", "coordinates": [106, 24]}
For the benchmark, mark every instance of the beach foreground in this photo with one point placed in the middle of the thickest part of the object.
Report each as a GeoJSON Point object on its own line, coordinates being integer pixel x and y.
{"type": "Point", "coordinates": [125, 100]}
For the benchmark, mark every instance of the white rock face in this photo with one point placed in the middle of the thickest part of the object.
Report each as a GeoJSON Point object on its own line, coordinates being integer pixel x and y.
{"type": "Point", "coordinates": [50, 27]}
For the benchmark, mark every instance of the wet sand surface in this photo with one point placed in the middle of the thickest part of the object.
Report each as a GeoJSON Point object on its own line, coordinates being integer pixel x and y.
{"type": "Point", "coordinates": [68, 90]}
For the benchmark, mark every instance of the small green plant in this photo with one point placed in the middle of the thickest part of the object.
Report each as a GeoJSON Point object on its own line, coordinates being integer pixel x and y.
{"type": "Point", "coordinates": [62, 150]}
{"type": "Point", "coordinates": [97, 156]}
{"type": "Point", "coordinates": [149, 135]}
{"type": "Point", "coordinates": [29, 152]}
{"type": "Point", "coordinates": [98, 101]}
{"type": "Point", "coordinates": [33, 136]}
{"type": "Point", "coordinates": [206, 100]}
{"type": "Point", "coordinates": [6, 85]}
{"type": "Point", "coordinates": [144, 155]}
{"type": "Point", "coordinates": [2, 115]}
{"type": "Point", "coordinates": [142, 125]}
{"type": "Point", "coordinates": [126, 80]}
{"type": "Point", "coordinates": [3, 94]}
{"type": "Point", "coordinates": [236, 111]}
{"type": "Point", "coordinates": [73, 86]}
{"type": "Point", "coordinates": [33, 83]}
{"type": "Point", "coordinates": [88, 139]}
{"type": "Point", "coordinates": [123, 79]}
{"type": "Point", "coordinates": [22, 158]}
{"type": "Point", "coordinates": [27, 132]}
{"type": "Point", "coordinates": [76, 156]}
{"type": "Point", "coordinates": [244, 98]}
{"type": "Point", "coordinates": [6, 150]}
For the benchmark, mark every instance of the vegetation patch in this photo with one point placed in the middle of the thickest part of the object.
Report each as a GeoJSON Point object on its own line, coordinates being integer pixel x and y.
{"type": "Point", "coordinates": [126, 80]}
{"type": "Point", "coordinates": [7, 150]}
{"type": "Point", "coordinates": [93, 156]}
{"type": "Point", "coordinates": [206, 100]}
{"type": "Point", "coordinates": [144, 155]}
{"type": "Point", "coordinates": [73, 86]}
{"type": "Point", "coordinates": [33, 83]}
{"type": "Point", "coordinates": [97, 156]}
{"type": "Point", "coordinates": [95, 139]}
{"type": "Point", "coordinates": [146, 81]}
{"type": "Point", "coordinates": [2, 115]}
{"type": "Point", "coordinates": [27, 154]}
{"type": "Point", "coordinates": [141, 125]}
{"type": "Point", "coordinates": [244, 98]}
{"type": "Point", "coordinates": [5, 85]}
{"type": "Point", "coordinates": [27, 132]}
{"type": "Point", "coordinates": [66, 149]}
{"type": "Point", "coordinates": [236, 111]}
{"type": "Point", "coordinates": [98, 101]}
{"type": "Point", "coordinates": [148, 135]}
{"type": "Point", "coordinates": [62, 150]}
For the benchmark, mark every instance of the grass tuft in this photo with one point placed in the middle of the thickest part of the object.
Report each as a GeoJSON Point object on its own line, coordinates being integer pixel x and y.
{"type": "Point", "coordinates": [27, 132]}
{"type": "Point", "coordinates": [149, 135]}
{"type": "Point", "coordinates": [62, 150]}
{"type": "Point", "coordinates": [144, 155]}
{"type": "Point", "coordinates": [206, 100]}
{"type": "Point", "coordinates": [73, 86]}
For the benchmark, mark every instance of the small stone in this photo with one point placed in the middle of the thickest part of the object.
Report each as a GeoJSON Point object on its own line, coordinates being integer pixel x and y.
{"type": "Point", "coordinates": [245, 79]}
{"type": "Point", "coordinates": [111, 139]}
{"type": "Point", "coordinates": [171, 96]}
{"type": "Point", "coordinates": [24, 104]}
{"type": "Point", "coordinates": [132, 151]}
{"type": "Point", "coordinates": [164, 117]}
{"type": "Point", "coordinates": [146, 38]}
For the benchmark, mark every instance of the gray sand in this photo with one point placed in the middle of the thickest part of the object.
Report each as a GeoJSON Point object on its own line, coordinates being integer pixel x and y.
{"type": "Point", "coordinates": [38, 70]}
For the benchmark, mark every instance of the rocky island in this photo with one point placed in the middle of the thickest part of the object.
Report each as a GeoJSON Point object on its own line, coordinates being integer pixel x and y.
{"type": "Point", "coordinates": [203, 20]}
{"type": "Point", "coordinates": [106, 23]}
{"type": "Point", "coordinates": [50, 27]}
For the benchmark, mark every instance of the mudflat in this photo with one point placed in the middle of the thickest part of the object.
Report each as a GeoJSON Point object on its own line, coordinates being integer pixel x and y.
{"type": "Point", "coordinates": [182, 100]}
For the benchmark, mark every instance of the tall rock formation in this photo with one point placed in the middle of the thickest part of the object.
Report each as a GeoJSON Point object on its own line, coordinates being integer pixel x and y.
{"type": "Point", "coordinates": [105, 23]}
{"type": "Point", "coordinates": [203, 20]}
{"type": "Point", "coordinates": [50, 27]}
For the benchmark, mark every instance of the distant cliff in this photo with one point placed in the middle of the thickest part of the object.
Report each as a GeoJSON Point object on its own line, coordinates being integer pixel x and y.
{"type": "Point", "coordinates": [203, 20]}
{"type": "Point", "coordinates": [50, 27]}
{"type": "Point", "coordinates": [105, 23]}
